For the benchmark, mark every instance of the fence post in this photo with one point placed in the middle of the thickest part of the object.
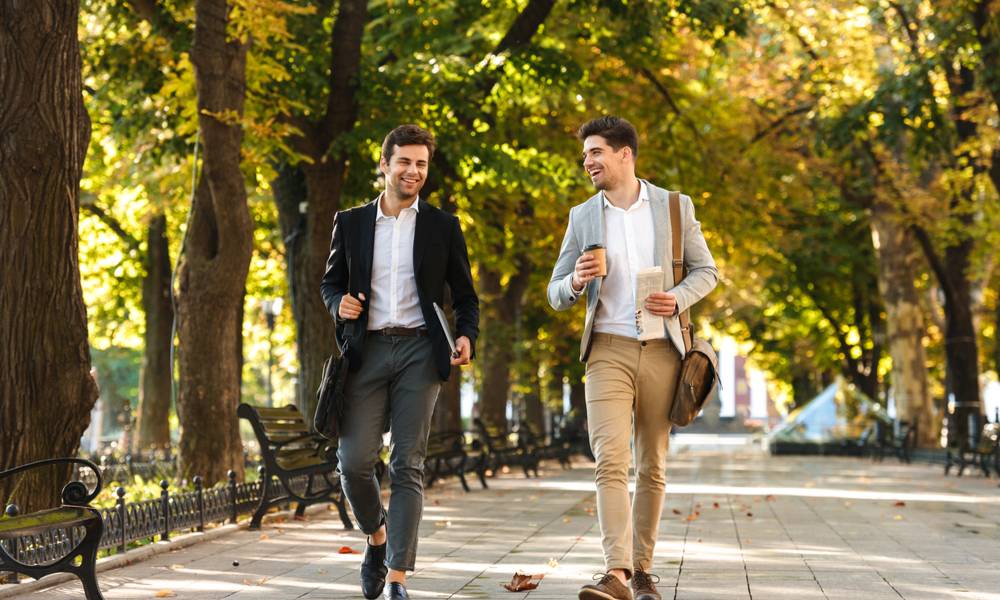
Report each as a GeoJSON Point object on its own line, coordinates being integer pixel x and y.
{"type": "Point", "coordinates": [122, 519]}
{"type": "Point", "coordinates": [200, 498]}
{"type": "Point", "coordinates": [232, 495]}
{"type": "Point", "coordinates": [12, 577]}
{"type": "Point", "coordinates": [165, 507]}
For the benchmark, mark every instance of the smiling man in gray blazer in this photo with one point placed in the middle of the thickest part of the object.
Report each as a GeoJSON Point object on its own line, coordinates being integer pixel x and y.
{"type": "Point", "coordinates": [628, 381]}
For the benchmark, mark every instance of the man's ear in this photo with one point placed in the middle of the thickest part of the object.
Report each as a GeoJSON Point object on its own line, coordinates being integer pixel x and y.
{"type": "Point", "coordinates": [383, 166]}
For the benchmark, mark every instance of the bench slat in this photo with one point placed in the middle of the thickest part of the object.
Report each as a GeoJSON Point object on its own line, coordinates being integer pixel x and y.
{"type": "Point", "coordinates": [42, 521]}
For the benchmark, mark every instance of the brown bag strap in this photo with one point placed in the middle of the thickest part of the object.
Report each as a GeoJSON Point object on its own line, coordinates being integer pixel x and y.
{"type": "Point", "coordinates": [677, 243]}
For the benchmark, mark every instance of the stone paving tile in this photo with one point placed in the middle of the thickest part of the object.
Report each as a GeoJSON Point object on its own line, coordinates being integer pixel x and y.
{"type": "Point", "coordinates": [736, 525]}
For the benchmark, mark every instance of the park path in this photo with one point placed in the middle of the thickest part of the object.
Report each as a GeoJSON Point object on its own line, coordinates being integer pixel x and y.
{"type": "Point", "coordinates": [738, 524]}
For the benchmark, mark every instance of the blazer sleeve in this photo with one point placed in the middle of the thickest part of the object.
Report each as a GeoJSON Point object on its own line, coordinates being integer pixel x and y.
{"type": "Point", "coordinates": [560, 291]}
{"type": "Point", "coordinates": [337, 275]}
{"type": "Point", "coordinates": [464, 299]}
{"type": "Point", "coordinates": [702, 274]}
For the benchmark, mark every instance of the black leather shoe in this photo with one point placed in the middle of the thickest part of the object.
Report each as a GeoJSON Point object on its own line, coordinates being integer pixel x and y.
{"type": "Point", "coordinates": [373, 571]}
{"type": "Point", "coordinates": [395, 591]}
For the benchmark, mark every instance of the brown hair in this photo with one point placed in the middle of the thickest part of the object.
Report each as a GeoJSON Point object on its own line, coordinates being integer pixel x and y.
{"type": "Point", "coordinates": [408, 135]}
{"type": "Point", "coordinates": [616, 130]}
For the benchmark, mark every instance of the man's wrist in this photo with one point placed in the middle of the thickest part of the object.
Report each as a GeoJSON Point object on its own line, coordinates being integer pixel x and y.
{"type": "Point", "coordinates": [572, 286]}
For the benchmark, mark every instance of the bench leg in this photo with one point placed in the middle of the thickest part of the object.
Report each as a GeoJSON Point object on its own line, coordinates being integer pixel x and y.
{"type": "Point", "coordinates": [461, 478]}
{"type": "Point", "coordinates": [263, 505]}
{"type": "Point", "coordinates": [481, 474]}
{"type": "Point", "coordinates": [87, 571]}
{"type": "Point", "coordinates": [300, 511]}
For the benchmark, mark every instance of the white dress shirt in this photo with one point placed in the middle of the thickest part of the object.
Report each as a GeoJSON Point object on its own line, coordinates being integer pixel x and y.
{"type": "Point", "coordinates": [394, 301]}
{"type": "Point", "coordinates": [629, 245]}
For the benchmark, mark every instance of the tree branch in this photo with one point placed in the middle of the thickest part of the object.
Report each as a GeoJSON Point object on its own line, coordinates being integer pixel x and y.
{"type": "Point", "coordinates": [114, 225]}
{"type": "Point", "coordinates": [668, 97]}
{"type": "Point", "coordinates": [763, 133]}
{"type": "Point", "coordinates": [345, 68]}
{"type": "Point", "coordinates": [153, 12]}
{"type": "Point", "coordinates": [933, 259]}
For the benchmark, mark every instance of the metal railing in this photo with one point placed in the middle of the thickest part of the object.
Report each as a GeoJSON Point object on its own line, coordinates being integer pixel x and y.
{"type": "Point", "coordinates": [148, 520]}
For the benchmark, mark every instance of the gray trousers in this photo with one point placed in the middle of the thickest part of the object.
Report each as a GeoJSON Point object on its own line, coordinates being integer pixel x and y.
{"type": "Point", "coordinates": [397, 383]}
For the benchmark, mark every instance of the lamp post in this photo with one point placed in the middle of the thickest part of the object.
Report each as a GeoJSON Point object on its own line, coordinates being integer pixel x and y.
{"type": "Point", "coordinates": [271, 309]}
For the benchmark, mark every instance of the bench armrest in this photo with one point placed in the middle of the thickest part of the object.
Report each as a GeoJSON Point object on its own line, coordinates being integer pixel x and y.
{"type": "Point", "coordinates": [74, 493]}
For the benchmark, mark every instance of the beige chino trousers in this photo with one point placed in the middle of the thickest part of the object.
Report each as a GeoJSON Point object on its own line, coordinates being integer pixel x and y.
{"type": "Point", "coordinates": [630, 388]}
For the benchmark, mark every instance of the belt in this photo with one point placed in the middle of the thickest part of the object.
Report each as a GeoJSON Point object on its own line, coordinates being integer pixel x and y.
{"type": "Point", "coordinates": [400, 331]}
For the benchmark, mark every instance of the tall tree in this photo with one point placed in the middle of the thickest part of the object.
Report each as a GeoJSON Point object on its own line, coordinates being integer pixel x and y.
{"type": "Point", "coordinates": [46, 389]}
{"type": "Point", "coordinates": [309, 194]}
{"type": "Point", "coordinates": [152, 429]}
{"type": "Point", "coordinates": [213, 266]}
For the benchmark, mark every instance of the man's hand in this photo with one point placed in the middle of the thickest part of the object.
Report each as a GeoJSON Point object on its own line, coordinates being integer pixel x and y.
{"type": "Point", "coordinates": [350, 307]}
{"type": "Point", "coordinates": [661, 304]}
{"type": "Point", "coordinates": [586, 269]}
{"type": "Point", "coordinates": [463, 348]}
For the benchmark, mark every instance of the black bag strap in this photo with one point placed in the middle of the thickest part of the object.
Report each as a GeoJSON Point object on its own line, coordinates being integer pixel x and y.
{"type": "Point", "coordinates": [677, 244]}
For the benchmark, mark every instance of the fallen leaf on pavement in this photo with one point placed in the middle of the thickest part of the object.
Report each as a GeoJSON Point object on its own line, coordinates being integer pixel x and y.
{"type": "Point", "coordinates": [523, 583]}
{"type": "Point", "coordinates": [165, 594]}
{"type": "Point", "coordinates": [263, 536]}
{"type": "Point", "coordinates": [715, 505]}
{"type": "Point", "coordinates": [677, 512]}
{"type": "Point", "coordinates": [769, 497]}
{"type": "Point", "coordinates": [176, 567]}
{"type": "Point", "coordinates": [900, 503]}
{"type": "Point", "coordinates": [749, 514]}
{"type": "Point", "coordinates": [553, 563]}
{"type": "Point", "coordinates": [347, 550]}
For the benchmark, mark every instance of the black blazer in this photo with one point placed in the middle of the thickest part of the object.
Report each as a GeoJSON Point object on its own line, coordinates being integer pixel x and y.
{"type": "Point", "coordinates": [439, 257]}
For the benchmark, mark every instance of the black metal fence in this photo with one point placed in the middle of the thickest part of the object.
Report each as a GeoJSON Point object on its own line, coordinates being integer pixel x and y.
{"type": "Point", "coordinates": [148, 520]}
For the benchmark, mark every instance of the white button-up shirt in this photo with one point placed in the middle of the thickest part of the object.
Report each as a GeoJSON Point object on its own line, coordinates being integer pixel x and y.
{"type": "Point", "coordinates": [630, 246]}
{"type": "Point", "coordinates": [394, 301]}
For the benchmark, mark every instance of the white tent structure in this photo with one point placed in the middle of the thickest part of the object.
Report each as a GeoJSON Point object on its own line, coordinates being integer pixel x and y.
{"type": "Point", "coordinates": [838, 413]}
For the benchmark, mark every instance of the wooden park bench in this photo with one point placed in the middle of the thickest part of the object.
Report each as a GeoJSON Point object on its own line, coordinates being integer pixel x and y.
{"type": "Point", "coordinates": [898, 438]}
{"type": "Point", "coordinates": [448, 454]}
{"type": "Point", "coordinates": [18, 532]}
{"type": "Point", "coordinates": [502, 452]}
{"type": "Point", "coordinates": [982, 449]}
{"type": "Point", "coordinates": [295, 456]}
{"type": "Point", "coordinates": [557, 448]}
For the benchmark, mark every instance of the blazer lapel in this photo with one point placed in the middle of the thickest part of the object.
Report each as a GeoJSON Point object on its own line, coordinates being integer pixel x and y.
{"type": "Point", "coordinates": [421, 230]}
{"type": "Point", "coordinates": [662, 252]}
{"type": "Point", "coordinates": [367, 240]}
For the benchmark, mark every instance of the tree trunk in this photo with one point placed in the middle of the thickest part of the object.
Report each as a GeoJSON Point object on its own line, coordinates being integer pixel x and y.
{"type": "Point", "coordinates": [319, 186]}
{"type": "Point", "coordinates": [577, 395]}
{"type": "Point", "coordinates": [501, 303]}
{"type": "Point", "coordinates": [46, 389]}
{"type": "Point", "coordinates": [213, 267]}
{"type": "Point", "coordinates": [152, 422]}
{"type": "Point", "coordinates": [897, 256]}
{"type": "Point", "coordinates": [534, 413]}
{"type": "Point", "coordinates": [447, 411]}
{"type": "Point", "coordinates": [961, 348]}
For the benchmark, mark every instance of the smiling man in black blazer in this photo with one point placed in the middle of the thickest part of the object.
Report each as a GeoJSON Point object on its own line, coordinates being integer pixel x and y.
{"type": "Point", "coordinates": [389, 262]}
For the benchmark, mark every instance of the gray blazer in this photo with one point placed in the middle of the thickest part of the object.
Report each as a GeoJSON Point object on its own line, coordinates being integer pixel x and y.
{"type": "Point", "coordinates": [586, 226]}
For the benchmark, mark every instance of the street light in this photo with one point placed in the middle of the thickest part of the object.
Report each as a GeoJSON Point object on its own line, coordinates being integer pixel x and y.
{"type": "Point", "coordinates": [271, 309]}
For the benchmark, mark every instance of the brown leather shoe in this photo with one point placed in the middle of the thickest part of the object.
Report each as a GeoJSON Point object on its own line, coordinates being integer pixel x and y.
{"type": "Point", "coordinates": [608, 588]}
{"type": "Point", "coordinates": [642, 586]}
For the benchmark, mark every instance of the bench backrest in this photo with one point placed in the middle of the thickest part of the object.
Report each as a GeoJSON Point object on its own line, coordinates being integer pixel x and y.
{"type": "Point", "coordinates": [280, 432]}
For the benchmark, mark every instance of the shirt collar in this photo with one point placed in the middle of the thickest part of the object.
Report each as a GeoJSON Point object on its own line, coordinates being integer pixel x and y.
{"type": "Point", "coordinates": [379, 215]}
{"type": "Point", "coordinates": [643, 197]}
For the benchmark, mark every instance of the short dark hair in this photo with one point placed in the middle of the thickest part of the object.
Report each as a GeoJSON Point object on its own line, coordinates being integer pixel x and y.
{"type": "Point", "coordinates": [616, 130]}
{"type": "Point", "coordinates": [408, 135]}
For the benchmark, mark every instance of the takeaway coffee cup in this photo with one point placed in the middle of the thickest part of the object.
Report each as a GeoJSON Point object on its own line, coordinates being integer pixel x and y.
{"type": "Point", "coordinates": [602, 261]}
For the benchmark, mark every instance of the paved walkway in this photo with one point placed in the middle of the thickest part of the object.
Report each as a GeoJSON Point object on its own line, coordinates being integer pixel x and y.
{"type": "Point", "coordinates": [737, 524]}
